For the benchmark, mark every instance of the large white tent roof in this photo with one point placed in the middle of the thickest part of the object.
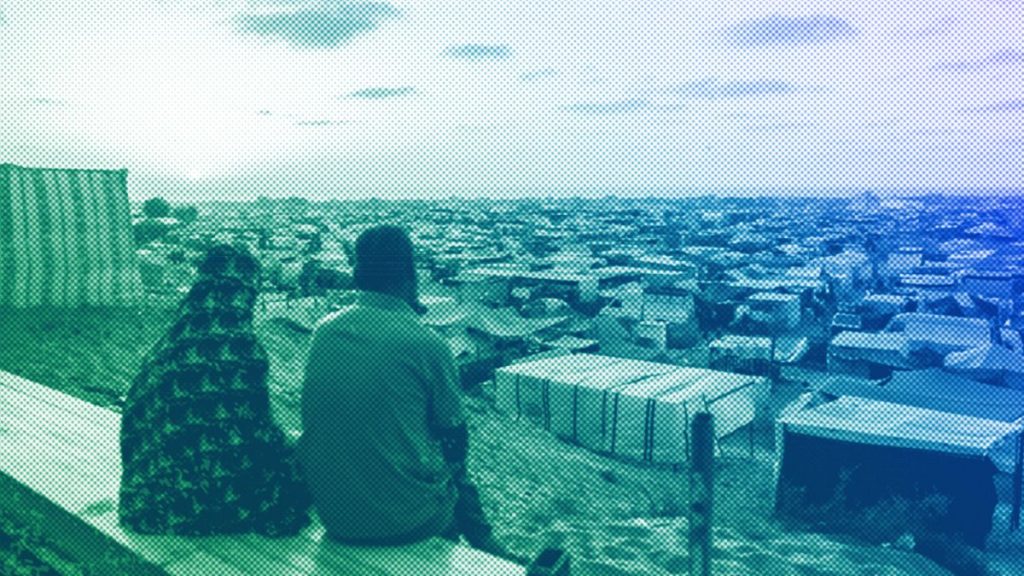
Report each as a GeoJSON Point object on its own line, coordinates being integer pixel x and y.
{"type": "Point", "coordinates": [874, 422]}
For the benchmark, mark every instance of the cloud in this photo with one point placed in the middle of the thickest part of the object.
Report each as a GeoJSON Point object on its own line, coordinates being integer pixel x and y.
{"type": "Point", "coordinates": [316, 123]}
{"type": "Point", "coordinates": [938, 131]}
{"type": "Point", "coordinates": [381, 92]}
{"type": "Point", "coordinates": [541, 74]}
{"type": "Point", "coordinates": [939, 27]}
{"type": "Point", "coordinates": [1008, 57]}
{"type": "Point", "coordinates": [779, 126]}
{"type": "Point", "coordinates": [479, 51]}
{"type": "Point", "coordinates": [324, 25]}
{"type": "Point", "coordinates": [47, 102]}
{"type": "Point", "coordinates": [712, 89]}
{"type": "Point", "coordinates": [615, 107]}
{"type": "Point", "coordinates": [788, 30]}
{"type": "Point", "coordinates": [1014, 105]}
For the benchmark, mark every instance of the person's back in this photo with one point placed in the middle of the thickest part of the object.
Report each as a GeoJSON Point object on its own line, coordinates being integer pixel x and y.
{"type": "Point", "coordinates": [200, 452]}
{"type": "Point", "coordinates": [384, 437]}
{"type": "Point", "coordinates": [378, 388]}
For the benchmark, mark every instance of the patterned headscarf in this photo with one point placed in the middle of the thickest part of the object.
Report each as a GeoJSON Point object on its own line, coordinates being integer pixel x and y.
{"type": "Point", "coordinates": [213, 322]}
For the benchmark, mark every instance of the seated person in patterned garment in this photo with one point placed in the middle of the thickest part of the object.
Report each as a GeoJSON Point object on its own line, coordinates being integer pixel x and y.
{"type": "Point", "coordinates": [384, 438]}
{"type": "Point", "coordinates": [200, 452]}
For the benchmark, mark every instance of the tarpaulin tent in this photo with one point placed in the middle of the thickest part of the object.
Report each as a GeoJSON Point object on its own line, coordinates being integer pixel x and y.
{"type": "Point", "coordinates": [934, 389]}
{"type": "Point", "coordinates": [65, 238]}
{"type": "Point", "coordinates": [988, 362]}
{"type": "Point", "coordinates": [943, 334]}
{"type": "Point", "coordinates": [502, 323]}
{"type": "Point", "coordinates": [506, 323]}
{"type": "Point", "coordinates": [867, 353]}
{"type": "Point", "coordinates": [785, 349]}
{"type": "Point", "coordinates": [876, 450]}
{"type": "Point", "coordinates": [861, 453]}
{"type": "Point", "coordinates": [632, 408]}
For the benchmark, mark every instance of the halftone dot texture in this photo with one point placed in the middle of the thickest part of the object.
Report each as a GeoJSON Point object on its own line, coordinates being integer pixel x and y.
{"type": "Point", "coordinates": [498, 115]}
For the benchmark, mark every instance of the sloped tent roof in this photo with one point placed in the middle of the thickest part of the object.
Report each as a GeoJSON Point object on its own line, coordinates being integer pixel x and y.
{"type": "Point", "coordinates": [935, 389]}
{"type": "Point", "coordinates": [988, 360]}
{"type": "Point", "coordinates": [496, 322]}
{"type": "Point", "coordinates": [546, 308]}
{"type": "Point", "coordinates": [887, 348]}
{"type": "Point", "coordinates": [65, 238]}
{"type": "Point", "coordinates": [572, 343]}
{"type": "Point", "coordinates": [958, 245]}
{"type": "Point", "coordinates": [866, 421]}
{"type": "Point", "coordinates": [788, 349]}
{"type": "Point", "coordinates": [946, 330]}
{"type": "Point", "coordinates": [507, 323]}
{"type": "Point", "coordinates": [989, 229]}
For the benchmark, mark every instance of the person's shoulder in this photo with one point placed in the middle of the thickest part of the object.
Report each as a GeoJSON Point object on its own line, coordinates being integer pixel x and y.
{"type": "Point", "coordinates": [428, 340]}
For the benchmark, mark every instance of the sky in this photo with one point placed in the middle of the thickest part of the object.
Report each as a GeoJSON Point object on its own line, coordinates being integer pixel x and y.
{"type": "Point", "coordinates": [336, 99]}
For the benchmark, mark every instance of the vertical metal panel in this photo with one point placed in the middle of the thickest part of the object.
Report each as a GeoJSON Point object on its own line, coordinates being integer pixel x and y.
{"type": "Point", "coordinates": [100, 240]}
{"type": "Point", "coordinates": [65, 214]}
{"type": "Point", "coordinates": [77, 220]}
{"type": "Point", "coordinates": [19, 257]}
{"type": "Point", "coordinates": [89, 241]}
{"type": "Point", "coordinates": [7, 264]}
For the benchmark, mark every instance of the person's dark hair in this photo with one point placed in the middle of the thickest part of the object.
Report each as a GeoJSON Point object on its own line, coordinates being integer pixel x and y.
{"type": "Point", "coordinates": [384, 263]}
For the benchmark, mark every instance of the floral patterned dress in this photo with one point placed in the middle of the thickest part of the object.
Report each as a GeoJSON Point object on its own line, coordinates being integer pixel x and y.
{"type": "Point", "coordinates": [200, 452]}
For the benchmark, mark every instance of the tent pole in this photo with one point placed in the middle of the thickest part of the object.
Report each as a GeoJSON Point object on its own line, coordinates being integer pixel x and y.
{"type": "Point", "coordinates": [1018, 476]}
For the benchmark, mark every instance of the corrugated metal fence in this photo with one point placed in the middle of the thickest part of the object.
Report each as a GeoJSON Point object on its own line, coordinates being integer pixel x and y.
{"type": "Point", "coordinates": [66, 238]}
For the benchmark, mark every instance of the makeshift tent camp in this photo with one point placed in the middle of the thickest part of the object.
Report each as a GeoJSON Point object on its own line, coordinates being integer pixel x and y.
{"type": "Point", "coordinates": [65, 238]}
{"type": "Point", "coordinates": [875, 450]}
{"type": "Point", "coordinates": [572, 343]}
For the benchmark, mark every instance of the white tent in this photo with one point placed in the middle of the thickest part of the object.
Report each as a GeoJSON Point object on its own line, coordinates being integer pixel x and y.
{"type": "Point", "coordinates": [940, 333]}
{"type": "Point", "coordinates": [987, 362]}
{"type": "Point", "coordinates": [887, 348]}
{"type": "Point", "coordinates": [864, 421]}
{"type": "Point", "coordinates": [637, 409]}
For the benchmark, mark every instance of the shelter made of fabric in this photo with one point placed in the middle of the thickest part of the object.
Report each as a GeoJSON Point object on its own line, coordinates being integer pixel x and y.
{"type": "Point", "coordinates": [941, 333]}
{"type": "Point", "coordinates": [987, 361]}
{"type": "Point", "coordinates": [66, 238]}
{"type": "Point", "coordinates": [878, 423]}
{"type": "Point", "coordinates": [935, 389]}
{"type": "Point", "coordinates": [886, 348]}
